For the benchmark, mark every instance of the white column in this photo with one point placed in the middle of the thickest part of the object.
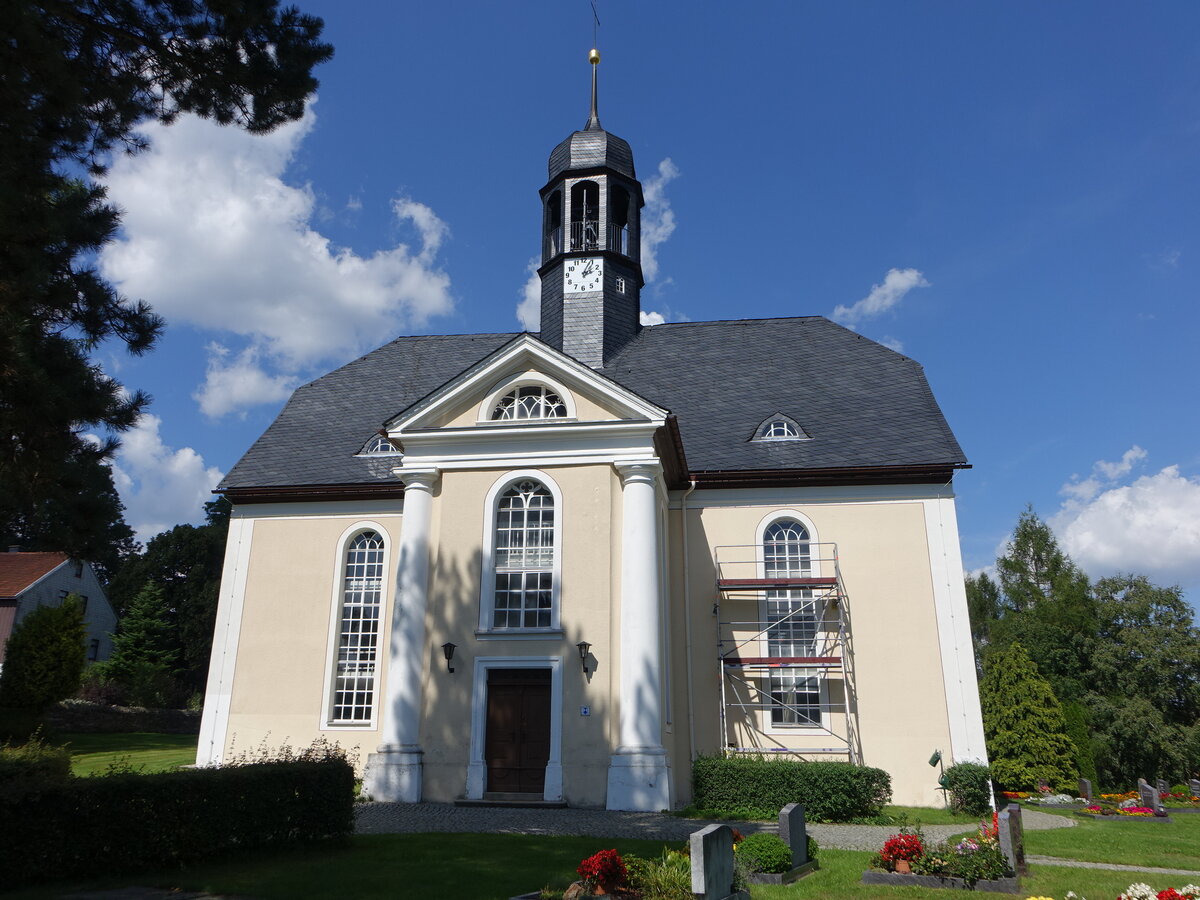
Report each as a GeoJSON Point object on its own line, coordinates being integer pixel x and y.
{"type": "Point", "coordinates": [394, 771]}
{"type": "Point", "coordinates": [638, 775]}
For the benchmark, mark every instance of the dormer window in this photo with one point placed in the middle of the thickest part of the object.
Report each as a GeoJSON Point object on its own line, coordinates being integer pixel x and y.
{"type": "Point", "coordinates": [532, 401]}
{"type": "Point", "coordinates": [780, 428]}
{"type": "Point", "coordinates": [379, 444]}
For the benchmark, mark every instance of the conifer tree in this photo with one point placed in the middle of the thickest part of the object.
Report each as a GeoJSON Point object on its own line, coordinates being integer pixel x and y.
{"type": "Point", "coordinates": [1023, 724]}
{"type": "Point", "coordinates": [144, 657]}
{"type": "Point", "coordinates": [45, 657]}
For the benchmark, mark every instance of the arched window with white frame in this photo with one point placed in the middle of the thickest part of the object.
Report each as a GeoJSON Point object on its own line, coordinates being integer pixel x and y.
{"type": "Point", "coordinates": [530, 401]}
{"type": "Point", "coordinates": [791, 616]}
{"type": "Point", "coordinates": [521, 563]}
{"type": "Point", "coordinates": [352, 698]}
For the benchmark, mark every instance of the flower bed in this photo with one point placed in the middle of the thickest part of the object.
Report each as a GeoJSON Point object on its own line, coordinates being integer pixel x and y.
{"type": "Point", "coordinates": [1113, 813]}
{"type": "Point", "coordinates": [973, 863]}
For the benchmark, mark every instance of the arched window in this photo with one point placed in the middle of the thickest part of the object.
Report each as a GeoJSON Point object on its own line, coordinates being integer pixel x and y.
{"type": "Point", "coordinates": [358, 630]}
{"type": "Point", "coordinates": [523, 557]}
{"type": "Point", "coordinates": [531, 401]}
{"type": "Point", "coordinates": [779, 428]}
{"type": "Point", "coordinates": [379, 444]}
{"type": "Point", "coordinates": [791, 624]}
{"type": "Point", "coordinates": [552, 227]}
{"type": "Point", "coordinates": [585, 216]}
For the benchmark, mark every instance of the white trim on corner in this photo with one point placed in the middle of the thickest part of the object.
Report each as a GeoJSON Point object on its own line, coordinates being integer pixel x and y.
{"type": "Point", "coordinates": [214, 722]}
{"type": "Point", "coordinates": [487, 578]}
{"type": "Point", "coordinates": [524, 379]}
{"type": "Point", "coordinates": [963, 712]}
{"type": "Point", "coordinates": [334, 630]}
{"type": "Point", "coordinates": [477, 765]}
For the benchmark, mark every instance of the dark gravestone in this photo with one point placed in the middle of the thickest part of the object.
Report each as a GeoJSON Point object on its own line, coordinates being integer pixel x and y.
{"type": "Point", "coordinates": [1085, 789]}
{"type": "Point", "coordinates": [1194, 787]}
{"type": "Point", "coordinates": [712, 864]}
{"type": "Point", "coordinates": [792, 832]}
{"type": "Point", "coordinates": [1163, 787]}
{"type": "Point", "coordinates": [1149, 796]}
{"type": "Point", "coordinates": [1012, 838]}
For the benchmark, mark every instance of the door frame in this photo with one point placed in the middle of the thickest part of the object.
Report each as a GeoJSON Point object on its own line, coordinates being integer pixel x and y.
{"type": "Point", "coordinates": [477, 766]}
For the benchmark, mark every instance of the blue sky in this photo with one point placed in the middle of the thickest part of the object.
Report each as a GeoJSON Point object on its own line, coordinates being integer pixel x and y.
{"type": "Point", "coordinates": [1007, 192]}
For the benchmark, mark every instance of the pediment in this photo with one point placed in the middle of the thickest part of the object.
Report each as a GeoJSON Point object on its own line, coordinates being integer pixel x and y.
{"type": "Point", "coordinates": [470, 399]}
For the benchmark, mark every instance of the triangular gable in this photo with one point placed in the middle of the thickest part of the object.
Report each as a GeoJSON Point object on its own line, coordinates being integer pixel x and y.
{"type": "Point", "coordinates": [523, 353]}
{"type": "Point", "coordinates": [21, 571]}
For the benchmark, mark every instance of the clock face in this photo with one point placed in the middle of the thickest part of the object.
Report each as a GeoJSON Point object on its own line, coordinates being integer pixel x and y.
{"type": "Point", "coordinates": [580, 275]}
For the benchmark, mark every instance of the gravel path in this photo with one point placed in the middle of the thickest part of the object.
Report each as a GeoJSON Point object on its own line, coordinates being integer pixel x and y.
{"type": "Point", "coordinates": [399, 818]}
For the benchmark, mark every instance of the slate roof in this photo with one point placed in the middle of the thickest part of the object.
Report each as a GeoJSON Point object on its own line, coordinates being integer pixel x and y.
{"type": "Point", "coordinates": [19, 570]}
{"type": "Point", "coordinates": [862, 404]}
{"type": "Point", "coordinates": [591, 148]}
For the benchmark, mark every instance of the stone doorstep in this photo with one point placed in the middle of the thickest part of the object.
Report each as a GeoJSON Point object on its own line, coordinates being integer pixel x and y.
{"type": "Point", "coordinates": [996, 886]}
{"type": "Point", "coordinates": [786, 877]}
{"type": "Point", "coordinates": [1120, 818]}
{"type": "Point", "coordinates": [513, 804]}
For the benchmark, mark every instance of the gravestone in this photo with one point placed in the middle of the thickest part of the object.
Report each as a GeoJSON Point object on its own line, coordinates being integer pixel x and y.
{"type": "Point", "coordinates": [1194, 787]}
{"type": "Point", "coordinates": [1012, 838]}
{"type": "Point", "coordinates": [712, 864]}
{"type": "Point", "coordinates": [792, 832]}
{"type": "Point", "coordinates": [1163, 787]}
{"type": "Point", "coordinates": [1149, 796]}
{"type": "Point", "coordinates": [1085, 789]}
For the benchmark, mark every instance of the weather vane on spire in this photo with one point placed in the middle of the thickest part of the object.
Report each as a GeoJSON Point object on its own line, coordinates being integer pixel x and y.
{"type": "Point", "coordinates": [593, 123]}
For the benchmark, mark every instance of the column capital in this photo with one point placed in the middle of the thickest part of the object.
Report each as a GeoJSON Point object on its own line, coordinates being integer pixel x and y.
{"type": "Point", "coordinates": [417, 479]}
{"type": "Point", "coordinates": [646, 471]}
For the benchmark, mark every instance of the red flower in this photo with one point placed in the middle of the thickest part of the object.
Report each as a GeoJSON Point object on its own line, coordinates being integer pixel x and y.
{"type": "Point", "coordinates": [1170, 894]}
{"type": "Point", "coordinates": [902, 846]}
{"type": "Point", "coordinates": [605, 868]}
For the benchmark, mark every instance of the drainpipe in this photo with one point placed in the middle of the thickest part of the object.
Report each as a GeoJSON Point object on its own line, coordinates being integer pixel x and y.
{"type": "Point", "coordinates": [687, 619]}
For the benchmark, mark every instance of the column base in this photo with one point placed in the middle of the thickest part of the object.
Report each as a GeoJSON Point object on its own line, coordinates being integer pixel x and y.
{"type": "Point", "coordinates": [639, 780]}
{"type": "Point", "coordinates": [393, 775]}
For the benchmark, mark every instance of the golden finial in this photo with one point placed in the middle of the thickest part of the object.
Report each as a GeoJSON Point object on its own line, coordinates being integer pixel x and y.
{"type": "Point", "coordinates": [594, 56]}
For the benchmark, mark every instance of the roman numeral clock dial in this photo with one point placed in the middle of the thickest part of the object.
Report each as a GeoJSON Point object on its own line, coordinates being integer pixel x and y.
{"type": "Point", "coordinates": [583, 275]}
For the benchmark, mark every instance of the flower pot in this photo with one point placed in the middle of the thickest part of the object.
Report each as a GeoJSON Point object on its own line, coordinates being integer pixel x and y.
{"type": "Point", "coordinates": [903, 867]}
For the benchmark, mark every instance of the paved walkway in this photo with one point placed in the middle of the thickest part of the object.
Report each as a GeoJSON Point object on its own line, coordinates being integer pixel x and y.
{"type": "Point", "coordinates": [1114, 867]}
{"type": "Point", "coordinates": [401, 818]}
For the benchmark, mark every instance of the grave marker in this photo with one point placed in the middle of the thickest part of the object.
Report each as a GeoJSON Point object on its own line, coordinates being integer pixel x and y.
{"type": "Point", "coordinates": [712, 864]}
{"type": "Point", "coordinates": [1194, 786]}
{"type": "Point", "coordinates": [1149, 796]}
{"type": "Point", "coordinates": [1012, 838]}
{"type": "Point", "coordinates": [1085, 788]}
{"type": "Point", "coordinates": [1163, 787]}
{"type": "Point", "coordinates": [793, 832]}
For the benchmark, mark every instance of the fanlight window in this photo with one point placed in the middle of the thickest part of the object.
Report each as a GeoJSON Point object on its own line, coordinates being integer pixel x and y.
{"type": "Point", "coordinates": [779, 428]}
{"type": "Point", "coordinates": [791, 624]}
{"type": "Point", "coordinates": [524, 557]}
{"type": "Point", "coordinates": [533, 401]}
{"type": "Point", "coordinates": [379, 444]}
{"type": "Point", "coordinates": [358, 632]}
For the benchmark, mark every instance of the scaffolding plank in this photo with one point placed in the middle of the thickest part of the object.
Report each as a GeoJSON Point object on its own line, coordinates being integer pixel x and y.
{"type": "Point", "coordinates": [735, 584]}
{"type": "Point", "coordinates": [769, 661]}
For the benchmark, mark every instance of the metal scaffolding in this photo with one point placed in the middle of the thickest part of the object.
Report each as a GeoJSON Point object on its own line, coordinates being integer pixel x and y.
{"type": "Point", "coordinates": [784, 651]}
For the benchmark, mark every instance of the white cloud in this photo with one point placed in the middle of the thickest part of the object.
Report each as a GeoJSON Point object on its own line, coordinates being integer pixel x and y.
{"type": "Point", "coordinates": [529, 310]}
{"type": "Point", "coordinates": [651, 318]}
{"type": "Point", "coordinates": [1150, 525]}
{"type": "Point", "coordinates": [892, 344]}
{"type": "Point", "coordinates": [159, 486]}
{"type": "Point", "coordinates": [236, 382]}
{"type": "Point", "coordinates": [882, 297]}
{"type": "Point", "coordinates": [658, 219]}
{"type": "Point", "coordinates": [213, 237]}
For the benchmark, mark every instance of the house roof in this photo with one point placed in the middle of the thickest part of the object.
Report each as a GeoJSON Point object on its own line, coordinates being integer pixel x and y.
{"type": "Point", "coordinates": [863, 406]}
{"type": "Point", "coordinates": [19, 570]}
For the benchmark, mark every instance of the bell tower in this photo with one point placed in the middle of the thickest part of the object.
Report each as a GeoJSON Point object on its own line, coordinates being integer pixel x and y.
{"type": "Point", "coordinates": [591, 268]}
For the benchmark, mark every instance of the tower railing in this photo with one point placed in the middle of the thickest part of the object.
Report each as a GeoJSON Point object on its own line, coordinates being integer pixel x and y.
{"type": "Point", "coordinates": [585, 235]}
{"type": "Point", "coordinates": [552, 243]}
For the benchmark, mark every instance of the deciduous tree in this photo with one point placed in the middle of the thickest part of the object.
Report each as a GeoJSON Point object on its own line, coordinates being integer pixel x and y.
{"type": "Point", "coordinates": [45, 657]}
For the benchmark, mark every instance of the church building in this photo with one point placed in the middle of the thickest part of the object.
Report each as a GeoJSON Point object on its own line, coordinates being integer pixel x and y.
{"type": "Point", "coordinates": [560, 566]}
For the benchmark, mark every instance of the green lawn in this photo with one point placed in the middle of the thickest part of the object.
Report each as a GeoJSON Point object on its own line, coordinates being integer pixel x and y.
{"type": "Point", "coordinates": [1169, 846]}
{"type": "Point", "coordinates": [498, 866]}
{"type": "Point", "coordinates": [93, 754]}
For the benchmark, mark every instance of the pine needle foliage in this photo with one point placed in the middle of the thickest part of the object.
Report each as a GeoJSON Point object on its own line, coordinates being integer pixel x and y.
{"type": "Point", "coordinates": [1024, 725]}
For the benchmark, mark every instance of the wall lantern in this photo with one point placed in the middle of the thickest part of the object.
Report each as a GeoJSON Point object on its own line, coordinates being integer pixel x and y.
{"type": "Point", "coordinates": [584, 649]}
{"type": "Point", "coordinates": [448, 652]}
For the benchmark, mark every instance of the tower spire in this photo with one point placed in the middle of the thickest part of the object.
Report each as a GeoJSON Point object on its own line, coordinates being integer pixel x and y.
{"type": "Point", "coordinates": [593, 122]}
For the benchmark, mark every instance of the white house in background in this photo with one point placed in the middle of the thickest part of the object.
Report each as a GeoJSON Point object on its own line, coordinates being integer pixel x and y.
{"type": "Point", "coordinates": [558, 566]}
{"type": "Point", "coordinates": [30, 580]}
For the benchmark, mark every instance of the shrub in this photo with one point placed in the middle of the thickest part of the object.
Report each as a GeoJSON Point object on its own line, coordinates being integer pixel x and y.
{"type": "Point", "coordinates": [764, 852]}
{"type": "Point", "coordinates": [605, 868]}
{"type": "Point", "coordinates": [123, 822]}
{"type": "Point", "coordinates": [32, 766]}
{"type": "Point", "coordinates": [45, 657]}
{"type": "Point", "coordinates": [759, 788]}
{"type": "Point", "coordinates": [970, 788]}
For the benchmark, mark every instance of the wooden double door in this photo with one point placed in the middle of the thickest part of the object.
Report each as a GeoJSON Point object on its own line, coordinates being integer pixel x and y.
{"type": "Point", "coordinates": [517, 744]}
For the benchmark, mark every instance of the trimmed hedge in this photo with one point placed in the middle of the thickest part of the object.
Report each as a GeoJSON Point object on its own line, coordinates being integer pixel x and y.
{"type": "Point", "coordinates": [32, 766]}
{"type": "Point", "coordinates": [970, 788]}
{"type": "Point", "coordinates": [126, 822]}
{"type": "Point", "coordinates": [759, 788]}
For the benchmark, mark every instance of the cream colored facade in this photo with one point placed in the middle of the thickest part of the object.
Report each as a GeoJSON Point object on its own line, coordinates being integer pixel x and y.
{"type": "Point", "coordinates": [624, 733]}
